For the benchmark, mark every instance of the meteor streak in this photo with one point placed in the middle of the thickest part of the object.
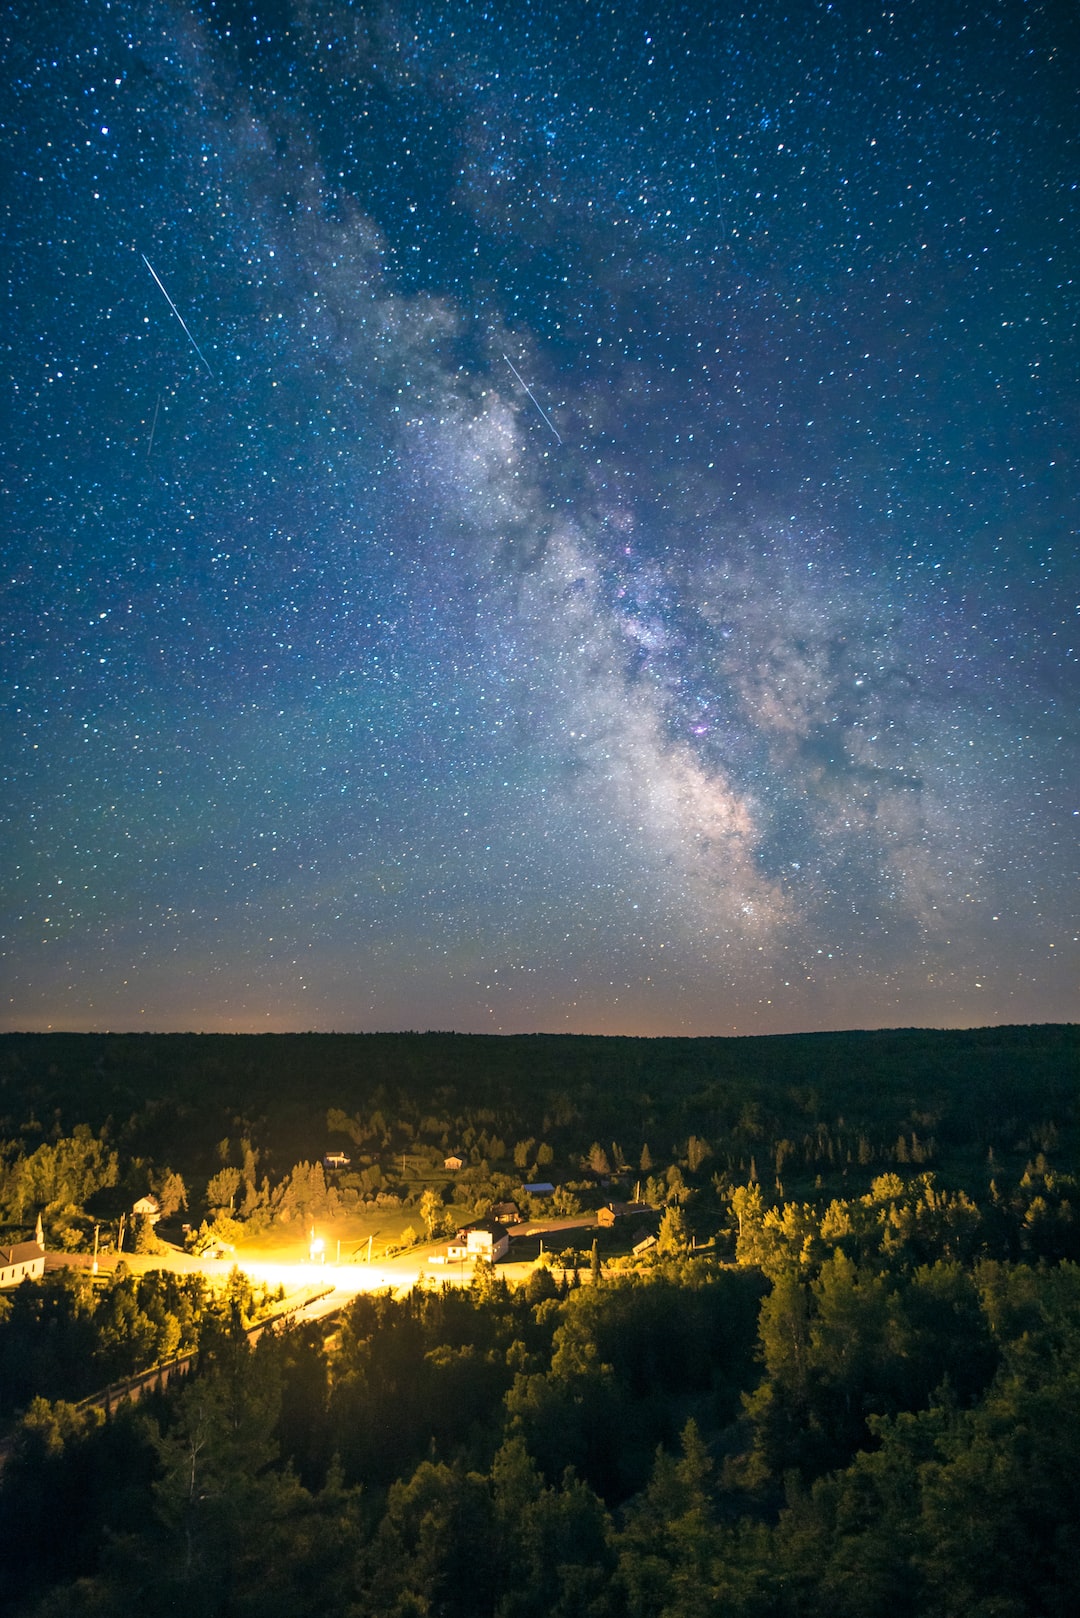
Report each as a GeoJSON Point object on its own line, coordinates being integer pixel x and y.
{"type": "Point", "coordinates": [183, 322]}
{"type": "Point", "coordinates": [153, 430]}
{"type": "Point", "coordinates": [516, 372]}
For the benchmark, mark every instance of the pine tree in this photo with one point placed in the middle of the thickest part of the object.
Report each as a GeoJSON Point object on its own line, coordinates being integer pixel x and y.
{"type": "Point", "coordinates": [673, 1237]}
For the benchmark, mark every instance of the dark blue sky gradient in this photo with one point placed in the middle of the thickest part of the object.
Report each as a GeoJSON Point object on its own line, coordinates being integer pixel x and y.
{"type": "Point", "coordinates": [347, 691]}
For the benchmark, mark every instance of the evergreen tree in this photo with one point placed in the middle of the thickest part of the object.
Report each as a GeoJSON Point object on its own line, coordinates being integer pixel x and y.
{"type": "Point", "coordinates": [673, 1238]}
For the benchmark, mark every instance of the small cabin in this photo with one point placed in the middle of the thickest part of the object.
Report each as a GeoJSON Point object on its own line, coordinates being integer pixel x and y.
{"type": "Point", "coordinates": [147, 1207]}
{"type": "Point", "coordinates": [336, 1160]}
{"type": "Point", "coordinates": [454, 1162]}
{"type": "Point", "coordinates": [612, 1212]}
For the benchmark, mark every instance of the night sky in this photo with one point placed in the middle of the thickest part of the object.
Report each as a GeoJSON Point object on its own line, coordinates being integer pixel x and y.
{"type": "Point", "coordinates": [539, 517]}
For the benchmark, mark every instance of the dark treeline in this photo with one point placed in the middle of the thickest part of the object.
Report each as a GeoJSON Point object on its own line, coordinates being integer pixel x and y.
{"type": "Point", "coordinates": [173, 1097]}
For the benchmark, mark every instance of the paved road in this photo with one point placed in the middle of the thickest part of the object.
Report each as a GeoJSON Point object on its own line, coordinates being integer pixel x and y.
{"type": "Point", "coordinates": [313, 1290]}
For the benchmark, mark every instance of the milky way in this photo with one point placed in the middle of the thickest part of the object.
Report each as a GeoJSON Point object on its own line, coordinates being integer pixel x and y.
{"type": "Point", "coordinates": [587, 539]}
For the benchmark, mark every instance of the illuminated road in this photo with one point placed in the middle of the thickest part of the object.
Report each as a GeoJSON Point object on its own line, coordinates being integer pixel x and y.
{"type": "Point", "coordinates": [290, 1267]}
{"type": "Point", "coordinates": [287, 1266]}
{"type": "Point", "coordinates": [399, 1274]}
{"type": "Point", "coordinates": [329, 1286]}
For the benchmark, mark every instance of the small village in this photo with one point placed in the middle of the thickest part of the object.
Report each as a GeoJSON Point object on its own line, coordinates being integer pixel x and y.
{"type": "Point", "coordinates": [504, 1235]}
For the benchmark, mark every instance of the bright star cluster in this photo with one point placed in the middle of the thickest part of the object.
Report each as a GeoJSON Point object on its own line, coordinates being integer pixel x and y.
{"type": "Point", "coordinates": [540, 516]}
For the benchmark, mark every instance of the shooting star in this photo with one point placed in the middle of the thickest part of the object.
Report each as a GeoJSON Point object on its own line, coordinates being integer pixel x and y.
{"type": "Point", "coordinates": [527, 388]}
{"type": "Point", "coordinates": [177, 313]}
{"type": "Point", "coordinates": [153, 430]}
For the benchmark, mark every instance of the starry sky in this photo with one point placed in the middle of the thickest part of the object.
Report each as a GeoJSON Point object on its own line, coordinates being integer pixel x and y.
{"type": "Point", "coordinates": [539, 516]}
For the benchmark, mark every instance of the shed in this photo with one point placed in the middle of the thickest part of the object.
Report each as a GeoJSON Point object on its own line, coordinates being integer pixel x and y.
{"type": "Point", "coordinates": [612, 1212]}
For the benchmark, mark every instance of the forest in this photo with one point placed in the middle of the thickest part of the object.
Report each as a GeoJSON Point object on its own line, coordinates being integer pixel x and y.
{"type": "Point", "coordinates": [844, 1380]}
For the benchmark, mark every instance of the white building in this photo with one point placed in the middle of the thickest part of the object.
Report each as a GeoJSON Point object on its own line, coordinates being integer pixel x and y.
{"type": "Point", "coordinates": [485, 1240]}
{"type": "Point", "coordinates": [24, 1261]}
{"type": "Point", "coordinates": [147, 1207]}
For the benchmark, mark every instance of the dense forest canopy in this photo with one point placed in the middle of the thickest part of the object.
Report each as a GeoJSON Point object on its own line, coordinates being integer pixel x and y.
{"type": "Point", "coordinates": [984, 1086]}
{"type": "Point", "coordinates": [842, 1382]}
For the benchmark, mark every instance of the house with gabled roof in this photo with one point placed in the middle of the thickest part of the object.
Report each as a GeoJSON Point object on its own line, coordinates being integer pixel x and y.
{"type": "Point", "coordinates": [482, 1240]}
{"type": "Point", "coordinates": [25, 1261]}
